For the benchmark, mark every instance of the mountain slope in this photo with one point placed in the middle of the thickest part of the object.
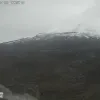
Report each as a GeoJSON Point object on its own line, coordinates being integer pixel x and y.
{"type": "Point", "coordinates": [64, 65]}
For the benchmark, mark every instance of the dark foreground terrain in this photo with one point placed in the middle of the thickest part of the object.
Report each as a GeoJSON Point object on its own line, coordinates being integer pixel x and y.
{"type": "Point", "coordinates": [52, 67]}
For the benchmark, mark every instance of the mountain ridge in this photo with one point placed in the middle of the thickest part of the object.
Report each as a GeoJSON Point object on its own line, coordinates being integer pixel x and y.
{"type": "Point", "coordinates": [88, 34]}
{"type": "Point", "coordinates": [55, 62]}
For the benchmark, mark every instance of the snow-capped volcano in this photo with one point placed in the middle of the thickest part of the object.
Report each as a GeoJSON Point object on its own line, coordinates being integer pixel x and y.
{"type": "Point", "coordinates": [80, 31]}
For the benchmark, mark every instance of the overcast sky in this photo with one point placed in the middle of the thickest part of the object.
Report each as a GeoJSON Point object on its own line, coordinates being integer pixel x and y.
{"type": "Point", "coordinates": [38, 16]}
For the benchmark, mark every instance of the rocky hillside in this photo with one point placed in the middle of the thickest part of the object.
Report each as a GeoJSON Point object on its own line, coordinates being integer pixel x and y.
{"type": "Point", "coordinates": [62, 65]}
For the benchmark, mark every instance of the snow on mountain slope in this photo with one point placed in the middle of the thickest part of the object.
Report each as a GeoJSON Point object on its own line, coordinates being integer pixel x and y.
{"type": "Point", "coordinates": [80, 31]}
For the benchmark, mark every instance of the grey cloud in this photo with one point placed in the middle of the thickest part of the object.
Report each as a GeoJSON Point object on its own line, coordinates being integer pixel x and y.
{"type": "Point", "coordinates": [37, 16]}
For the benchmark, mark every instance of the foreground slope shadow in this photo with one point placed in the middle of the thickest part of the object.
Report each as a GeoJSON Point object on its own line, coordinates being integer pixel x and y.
{"type": "Point", "coordinates": [63, 67]}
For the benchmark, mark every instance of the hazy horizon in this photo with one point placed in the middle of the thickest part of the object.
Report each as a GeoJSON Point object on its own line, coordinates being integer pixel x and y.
{"type": "Point", "coordinates": [33, 17]}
